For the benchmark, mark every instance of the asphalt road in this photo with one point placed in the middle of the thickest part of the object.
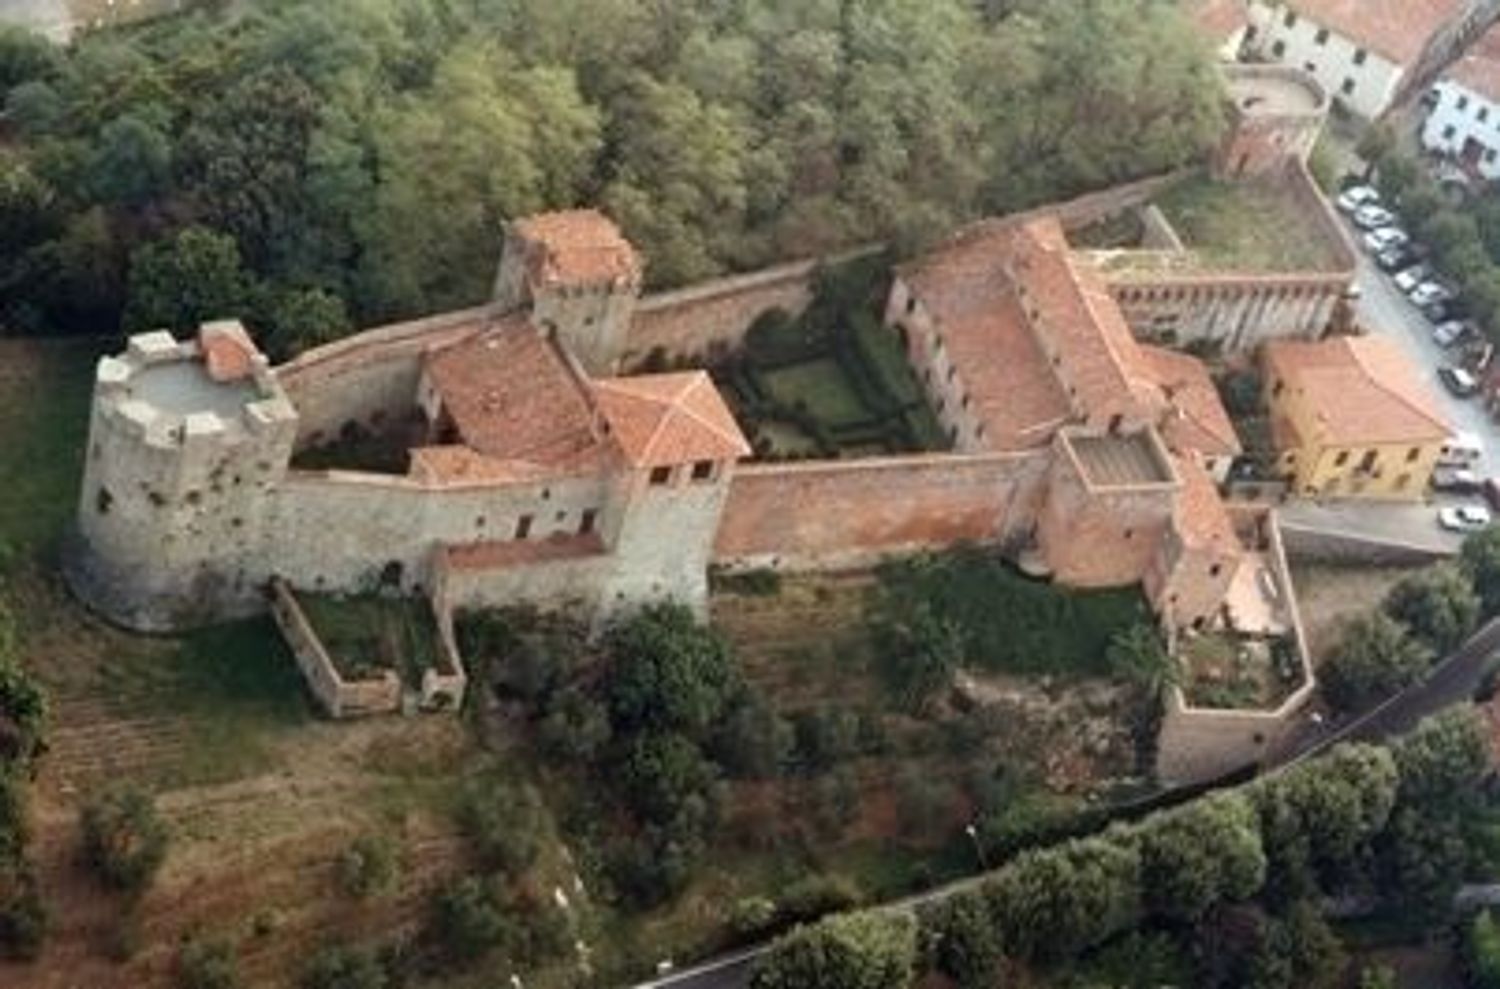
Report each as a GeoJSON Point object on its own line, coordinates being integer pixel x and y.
{"type": "Point", "coordinates": [1384, 310]}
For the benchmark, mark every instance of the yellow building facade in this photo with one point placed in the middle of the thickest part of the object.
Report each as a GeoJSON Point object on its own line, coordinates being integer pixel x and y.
{"type": "Point", "coordinates": [1351, 418]}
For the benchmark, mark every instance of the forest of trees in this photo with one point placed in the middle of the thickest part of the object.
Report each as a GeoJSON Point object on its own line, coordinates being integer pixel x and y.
{"type": "Point", "coordinates": [317, 164]}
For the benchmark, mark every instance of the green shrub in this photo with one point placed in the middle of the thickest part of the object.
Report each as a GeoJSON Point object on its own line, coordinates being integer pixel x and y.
{"type": "Point", "coordinates": [124, 840]}
{"type": "Point", "coordinates": [367, 867]}
{"type": "Point", "coordinates": [813, 896]}
{"type": "Point", "coordinates": [466, 922]}
{"type": "Point", "coordinates": [345, 968]}
{"type": "Point", "coordinates": [208, 963]}
{"type": "Point", "coordinates": [1482, 951]}
{"type": "Point", "coordinates": [23, 914]}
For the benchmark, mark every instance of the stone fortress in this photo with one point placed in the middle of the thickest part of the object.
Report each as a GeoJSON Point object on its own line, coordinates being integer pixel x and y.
{"type": "Point", "coordinates": [537, 470]}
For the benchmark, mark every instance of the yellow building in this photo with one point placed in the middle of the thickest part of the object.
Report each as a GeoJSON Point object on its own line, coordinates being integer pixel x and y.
{"type": "Point", "coordinates": [1350, 417]}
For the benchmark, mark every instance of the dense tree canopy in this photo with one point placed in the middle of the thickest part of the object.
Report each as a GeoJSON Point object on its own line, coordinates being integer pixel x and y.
{"type": "Point", "coordinates": [370, 150]}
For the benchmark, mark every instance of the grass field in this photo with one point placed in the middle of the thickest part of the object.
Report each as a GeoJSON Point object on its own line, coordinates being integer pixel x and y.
{"type": "Point", "coordinates": [261, 797]}
{"type": "Point", "coordinates": [1244, 225]}
{"type": "Point", "coordinates": [822, 387]}
{"type": "Point", "coordinates": [367, 633]}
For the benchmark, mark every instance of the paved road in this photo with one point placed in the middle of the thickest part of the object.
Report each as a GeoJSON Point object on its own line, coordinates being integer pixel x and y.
{"type": "Point", "coordinates": [1384, 310]}
{"type": "Point", "coordinates": [1400, 524]}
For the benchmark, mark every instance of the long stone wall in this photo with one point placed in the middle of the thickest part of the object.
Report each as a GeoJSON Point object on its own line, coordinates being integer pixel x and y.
{"type": "Point", "coordinates": [851, 514]}
{"type": "Point", "coordinates": [338, 697]}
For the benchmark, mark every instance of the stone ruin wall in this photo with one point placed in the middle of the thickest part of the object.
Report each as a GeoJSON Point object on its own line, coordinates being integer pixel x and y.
{"type": "Point", "coordinates": [851, 514]}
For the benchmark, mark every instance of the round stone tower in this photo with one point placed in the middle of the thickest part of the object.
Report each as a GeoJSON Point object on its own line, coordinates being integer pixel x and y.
{"type": "Point", "coordinates": [1276, 114]}
{"type": "Point", "coordinates": [187, 442]}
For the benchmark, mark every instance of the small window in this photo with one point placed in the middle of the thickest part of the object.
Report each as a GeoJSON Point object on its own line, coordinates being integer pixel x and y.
{"type": "Point", "coordinates": [1402, 481]}
{"type": "Point", "coordinates": [1348, 87]}
{"type": "Point", "coordinates": [703, 470]}
{"type": "Point", "coordinates": [952, 370]}
{"type": "Point", "coordinates": [1448, 132]}
{"type": "Point", "coordinates": [586, 521]}
{"type": "Point", "coordinates": [1278, 48]}
{"type": "Point", "coordinates": [1216, 569]}
{"type": "Point", "coordinates": [523, 527]}
{"type": "Point", "coordinates": [1413, 454]}
{"type": "Point", "coordinates": [1290, 20]}
{"type": "Point", "coordinates": [1360, 55]}
{"type": "Point", "coordinates": [1341, 459]}
{"type": "Point", "coordinates": [911, 305]}
{"type": "Point", "coordinates": [1310, 68]}
{"type": "Point", "coordinates": [1463, 103]}
{"type": "Point", "coordinates": [1321, 38]}
{"type": "Point", "coordinates": [661, 475]}
{"type": "Point", "coordinates": [1489, 156]}
{"type": "Point", "coordinates": [1277, 388]}
{"type": "Point", "coordinates": [103, 500]}
{"type": "Point", "coordinates": [1367, 462]}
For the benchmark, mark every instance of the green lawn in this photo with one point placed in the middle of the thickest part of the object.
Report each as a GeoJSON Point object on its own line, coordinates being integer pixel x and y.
{"type": "Point", "coordinates": [1244, 225]}
{"type": "Point", "coordinates": [367, 633]}
{"type": "Point", "coordinates": [822, 387]}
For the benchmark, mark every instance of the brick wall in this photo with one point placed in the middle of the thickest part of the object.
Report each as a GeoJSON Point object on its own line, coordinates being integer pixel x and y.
{"type": "Point", "coordinates": [850, 514]}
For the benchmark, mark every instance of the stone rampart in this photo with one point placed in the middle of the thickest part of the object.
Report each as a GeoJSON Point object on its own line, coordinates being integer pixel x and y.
{"type": "Point", "coordinates": [338, 697]}
{"type": "Point", "coordinates": [1198, 743]}
{"type": "Point", "coordinates": [370, 376]}
{"type": "Point", "coordinates": [850, 514]}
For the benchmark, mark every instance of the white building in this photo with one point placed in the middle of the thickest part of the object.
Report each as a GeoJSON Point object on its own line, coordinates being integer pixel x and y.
{"type": "Point", "coordinates": [1464, 121]}
{"type": "Point", "coordinates": [1361, 51]}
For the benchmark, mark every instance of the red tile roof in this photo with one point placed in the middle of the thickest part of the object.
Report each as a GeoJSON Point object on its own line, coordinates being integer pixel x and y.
{"type": "Point", "coordinates": [499, 555]}
{"type": "Point", "coordinates": [1196, 419]}
{"type": "Point", "coordinates": [1201, 516]}
{"type": "Point", "coordinates": [983, 327]}
{"type": "Point", "coordinates": [513, 396]}
{"type": "Point", "coordinates": [1397, 29]}
{"type": "Point", "coordinates": [1479, 69]}
{"type": "Point", "coordinates": [1219, 20]}
{"type": "Point", "coordinates": [1360, 389]}
{"type": "Point", "coordinates": [668, 419]}
{"type": "Point", "coordinates": [228, 352]}
{"type": "Point", "coordinates": [578, 247]}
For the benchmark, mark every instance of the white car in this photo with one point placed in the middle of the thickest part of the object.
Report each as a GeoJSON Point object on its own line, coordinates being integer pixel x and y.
{"type": "Point", "coordinates": [1427, 293]}
{"type": "Point", "coordinates": [1464, 518]}
{"type": "Point", "coordinates": [1356, 196]}
{"type": "Point", "coordinates": [1372, 217]}
{"type": "Point", "coordinates": [1447, 334]}
{"type": "Point", "coordinates": [1412, 277]}
{"type": "Point", "coordinates": [1378, 240]}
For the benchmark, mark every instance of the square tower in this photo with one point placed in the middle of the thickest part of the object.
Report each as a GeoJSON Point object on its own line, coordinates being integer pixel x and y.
{"type": "Point", "coordinates": [578, 276]}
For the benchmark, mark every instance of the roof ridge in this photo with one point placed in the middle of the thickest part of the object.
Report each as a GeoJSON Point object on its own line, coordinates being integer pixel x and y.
{"type": "Point", "coordinates": [699, 379]}
{"type": "Point", "coordinates": [1379, 381]}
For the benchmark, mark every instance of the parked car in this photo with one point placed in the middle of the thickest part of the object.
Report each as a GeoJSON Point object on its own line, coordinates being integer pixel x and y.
{"type": "Point", "coordinates": [1412, 277]}
{"type": "Point", "coordinates": [1492, 493]}
{"type": "Point", "coordinates": [1373, 217]}
{"type": "Point", "coordinates": [1356, 196]}
{"type": "Point", "coordinates": [1456, 480]}
{"type": "Point", "coordinates": [1451, 332]}
{"type": "Point", "coordinates": [1386, 237]}
{"type": "Point", "coordinates": [1394, 258]}
{"type": "Point", "coordinates": [1464, 518]}
{"type": "Point", "coordinates": [1442, 310]}
{"type": "Point", "coordinates": [1429, 292]}
{"type": "Point", "coordinates": [1458, 381]}
{"type": "Point", "coordinates": [1461, 450]}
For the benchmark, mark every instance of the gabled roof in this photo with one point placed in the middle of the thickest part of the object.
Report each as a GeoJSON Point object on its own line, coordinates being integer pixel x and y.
{"type": "Point", "coordinates": [1201, 517]}
{"type": "Point", "coordinates": [228, 352]}
{"type": "Point", "coordinates": [581, 246]}
{"type": "Point", "coordinates": [663, 420]}
{"type": "Point", "coordinates": [1359, 390]}
{"type": "Point", "coordinates": [1196, 419]}
{"type": "Point", "coordinates": [512, 395]}
{"type": "Point", "coordinates": [1399, 30]}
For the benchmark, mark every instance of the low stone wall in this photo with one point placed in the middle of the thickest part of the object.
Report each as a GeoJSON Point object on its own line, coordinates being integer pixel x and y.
{"type": "Point", "coordinates": [1196, 744]}
{"type": "Point", "coordinates": [443, 689]}
{"type": "Point", "coordinates": [850, 514]}
{"type": "Point", "coordinates": [338, 697]}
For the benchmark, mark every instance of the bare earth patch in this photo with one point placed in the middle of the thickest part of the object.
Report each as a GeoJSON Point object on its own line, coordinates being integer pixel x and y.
{"type": "Point", "coordinates": [1328, 596]}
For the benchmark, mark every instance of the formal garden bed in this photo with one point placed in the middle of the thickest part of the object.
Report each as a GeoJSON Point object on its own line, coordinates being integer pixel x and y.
{"type": "Point", "coordinates": [832, 382]}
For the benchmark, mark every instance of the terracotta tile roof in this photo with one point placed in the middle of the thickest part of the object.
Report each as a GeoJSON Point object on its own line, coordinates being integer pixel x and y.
{"type": "Point", "coordinates": [1196, 419]}
{"type": "Point", "coordinates": [1397, 29]}
{"type": "Point", "coordinates": [228, 352]}
{"type": "Point", "coordinates": [667, 419]}
{"type": "Point", "coordinates": [513, 396]}
{"type": "Point", "coordinates": [1360, 390]}
{"type": "Point", "coordinates": [499, 555]}
{"type": "Point", "coordinates": [1099, 355]}
{"type": "Point", "coordinates": [1478, 70]}
{"type": "Point", "coordinates": [461, 465]}
{"type": "Point", "coordinates": [1219, 20]}
{"type": "Point", "coordinates": [578, 246]}
{"type": "Point", "coordinates": [1201, 516]}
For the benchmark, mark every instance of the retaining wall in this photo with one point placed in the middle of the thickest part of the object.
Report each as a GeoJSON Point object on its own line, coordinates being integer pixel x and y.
{"type": "Point", "coordinates": [850, 514]}
{"type": "Point", "coordinates": [340, 698]}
